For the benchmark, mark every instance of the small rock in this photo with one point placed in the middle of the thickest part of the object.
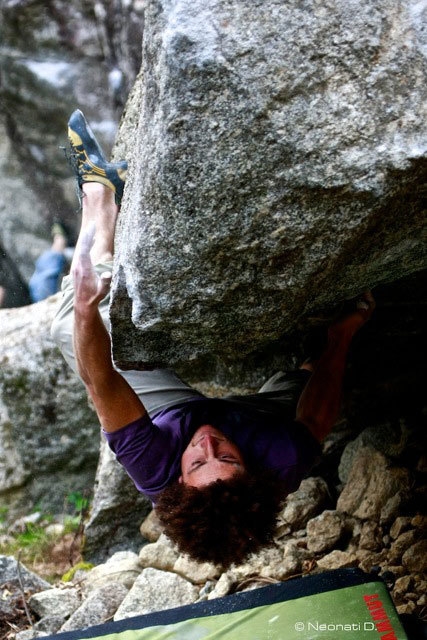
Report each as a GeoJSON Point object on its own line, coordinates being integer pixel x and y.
{"type": "Point", "coordinates": [400, 525]}
{"type": "Point", "coordinates": [294, 555]}
{"type": "Point", "coordinates": [403, 584]}
{"type": "Point", "coordinates": [156, 590]}
{"type": "Point", "coordinates": [206, 590]}
{"type": "Point", "coordinates": [49, 624]}
{"type": "Point", "coordinates": [9, 573]}
{"type": "Point", "coordinates": [123, 566]}
{"type": "Point", "coordinates": [415, 557]}
{"type": "Point", "coordinates": [196, 572]}
{"type": "Point", "coordinates": [159, 555]}
{"type": "Point", "coordinates": [372, 482]}
{"type": "Point", "coordinates": [273, 562]}
{"type": "Point", "coordinates": [325, 530]}
{"type": "Point", "coordinates": [99, 606]}
{"type": "Point", "coordinates": [338, 560]}
{"type": "Point", "coordinates": [222, 587]}
{"type": "Point", "coordinates": [387, 439]}
{"type": "Point", "coordinates": [151, 529]}
{"type": "Point", "coordinates": [364, 557]}
{"type": "Point", "coordinates": [305, 503]}
{"type": "Point", "coordinates": [62, 602]}
{"type": "Point", "coordinates": [371, 535]}
{"type": "Point", "coordinates": [55, 529]}
{"type": "Point", "coordinates": [407, 608]}
{"type": "Point", "coordinates": [19, 526]}
{"type": "Point", "coordinates": [266, 562]}
{"type": "Point", "coordinates": [401, 544]}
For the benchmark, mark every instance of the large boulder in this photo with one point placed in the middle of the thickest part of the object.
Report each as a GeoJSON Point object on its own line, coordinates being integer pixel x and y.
{"type": "Point", "coordinates": [277, 167]}
{"type": "Point", "coordinates": [116, 512]}
{"type": "Point", "coordinates": [49, 435]}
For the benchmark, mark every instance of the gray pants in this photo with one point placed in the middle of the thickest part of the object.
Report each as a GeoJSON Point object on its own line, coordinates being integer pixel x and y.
{"type": "Point", "coordinates": [162, 388]}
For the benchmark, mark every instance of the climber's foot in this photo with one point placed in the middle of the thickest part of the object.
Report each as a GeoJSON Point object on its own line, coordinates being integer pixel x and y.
{"type": "Point", "coordinates": [88, 161]}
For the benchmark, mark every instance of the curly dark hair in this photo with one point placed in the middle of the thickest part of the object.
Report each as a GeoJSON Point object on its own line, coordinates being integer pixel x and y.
{"type": "Point", "coordinates": [224, 521]}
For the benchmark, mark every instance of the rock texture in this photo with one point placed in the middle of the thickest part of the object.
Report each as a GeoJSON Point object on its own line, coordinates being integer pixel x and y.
{"type": "Point", "coordinates": [44, 409]}
{"type": "Point", "coordinates": [372, 484]}
{"type": "Point", "coordinates": [116, 511]}
{"type": "Point", "coordinates": [154, 590]}
{"type": "Point", "coordinates": [49, 435]}
{"type": "Point", "coordinates": [55, 56]}
{"type": "Point", "coordinates": [277, 167]}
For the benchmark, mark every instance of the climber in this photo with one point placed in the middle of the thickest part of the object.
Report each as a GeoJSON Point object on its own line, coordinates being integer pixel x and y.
{"type": "Point", "coordinates": [216, 470]}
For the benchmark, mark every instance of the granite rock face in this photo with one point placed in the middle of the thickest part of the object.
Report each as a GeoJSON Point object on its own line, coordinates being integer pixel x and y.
{"type": "Point", "coordinates": [49, 435]}
{"type": "Point", "coordinates": [277, 167]}
{"type": "Point", "coordinates": [50, 442]}
{"type": "Point", "coordinates": [115, 500]}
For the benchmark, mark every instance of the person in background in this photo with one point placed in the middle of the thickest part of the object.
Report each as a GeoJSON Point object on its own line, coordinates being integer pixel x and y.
{"type": "Point", "coordinates": [50, 266]}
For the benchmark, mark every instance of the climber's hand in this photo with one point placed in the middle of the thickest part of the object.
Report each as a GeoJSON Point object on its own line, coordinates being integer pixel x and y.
{"type": "Point", "coordinates": [349, 324]}
{"type": "Point", "coordinates": [89, 288]}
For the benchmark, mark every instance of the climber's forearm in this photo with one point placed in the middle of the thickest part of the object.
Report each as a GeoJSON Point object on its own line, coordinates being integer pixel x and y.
{"type": "Point", "coordinates": [320, 401]}
{"type": "Point", "coordinates": [115, 401]}
{"type": "Point", "coordinates": [92, 347]}
{"type": "Point", "coordinates": [319, 404]}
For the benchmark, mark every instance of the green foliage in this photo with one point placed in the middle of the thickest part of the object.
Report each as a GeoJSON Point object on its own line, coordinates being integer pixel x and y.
{"type": "Point", "coordinates": [83, 566]}
{"type": "Point", "coordinates": [78, 501]}
{"type": "Point", "coordinates": [79, 506]}
{"type": "Point", "coordinates": [71, 524]}
{"type": "Point", "coordinates": [33, 536]}
{"type": "Point", "coordinates": [34, 542]}
{"type": "Point", "coordinates": [3, 514]}
{"type": "Point", "coordinates": [30, 543]}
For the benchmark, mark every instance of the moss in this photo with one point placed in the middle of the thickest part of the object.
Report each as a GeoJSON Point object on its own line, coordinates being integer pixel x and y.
{"type": "Point", "coordinates": [83, 566]}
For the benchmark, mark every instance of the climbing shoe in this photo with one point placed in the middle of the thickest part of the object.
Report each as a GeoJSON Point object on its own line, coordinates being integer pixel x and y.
{"type": "Point", "coordinates": [88, 161]}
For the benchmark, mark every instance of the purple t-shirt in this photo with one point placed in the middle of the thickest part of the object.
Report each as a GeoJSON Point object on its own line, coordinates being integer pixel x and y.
{"type": "Point", "coordinates": [150, 449]}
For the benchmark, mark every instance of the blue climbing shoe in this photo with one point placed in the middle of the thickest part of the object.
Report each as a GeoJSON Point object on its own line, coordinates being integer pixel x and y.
{"type": "Point", "coordinates": [88, 160]}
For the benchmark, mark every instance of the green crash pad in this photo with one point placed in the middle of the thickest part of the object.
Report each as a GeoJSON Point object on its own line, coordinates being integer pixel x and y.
{"type": "Point", "coordinates": [334, 605]}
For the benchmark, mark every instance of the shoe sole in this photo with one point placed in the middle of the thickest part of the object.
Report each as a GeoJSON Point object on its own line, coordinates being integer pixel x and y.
{"type": "Point", "coordinates": [90, 158]}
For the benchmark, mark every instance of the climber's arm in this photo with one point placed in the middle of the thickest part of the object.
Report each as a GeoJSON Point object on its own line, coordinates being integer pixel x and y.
{"type": "Point", "coordinates": [319, 403]}
{"type": "Point", "coordinates": [115, 401]}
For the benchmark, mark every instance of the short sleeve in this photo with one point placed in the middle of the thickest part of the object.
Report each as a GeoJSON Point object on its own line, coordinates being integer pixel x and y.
{"type": "Point", "coordinates": [146, 453]}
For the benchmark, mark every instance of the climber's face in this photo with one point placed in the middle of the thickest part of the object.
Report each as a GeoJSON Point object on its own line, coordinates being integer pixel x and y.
{"type": "Point", "coordinates": [210, 456]}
